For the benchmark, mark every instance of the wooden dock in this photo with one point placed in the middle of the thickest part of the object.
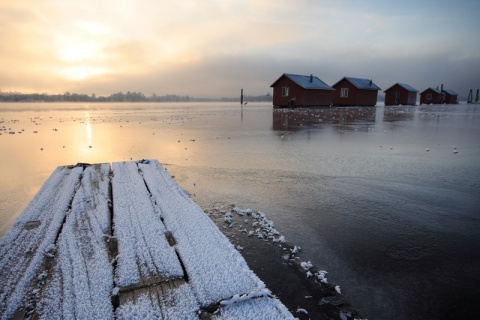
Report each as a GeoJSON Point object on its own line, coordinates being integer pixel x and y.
{"type": "Point", "coordinates": [124, 241]}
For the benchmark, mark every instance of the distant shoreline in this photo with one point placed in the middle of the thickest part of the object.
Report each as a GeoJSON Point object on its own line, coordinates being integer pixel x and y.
{"type": "Point", "coordinates": [121, 97]}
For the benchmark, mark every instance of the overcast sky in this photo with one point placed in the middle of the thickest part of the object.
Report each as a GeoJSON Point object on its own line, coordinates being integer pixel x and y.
{"type": "Point", "coordinates": [213, 48]}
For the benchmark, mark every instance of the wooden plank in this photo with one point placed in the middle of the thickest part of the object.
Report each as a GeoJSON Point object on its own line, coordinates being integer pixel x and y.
{"type": "Point", "coordinates": [259, 308]}
{"type": "Point", "coordinates": [145, 257]}
{"type": "Point", "coordinates": [169, 300]}
{"type": "Point", "coordinates": [56, 262]}
{"type": "Point", "coordinates": [141, 307]}
{"type": "Point", "coordinates": [26, 246]}
{"type": "Point", "coordinates": [215, 269]}
{"type": "Point", "coordinates": [177, 300]}
{"type": "Point", "coordinates": [82, 275]}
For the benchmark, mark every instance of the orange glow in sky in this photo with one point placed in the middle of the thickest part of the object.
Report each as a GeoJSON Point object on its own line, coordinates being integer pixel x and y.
{"type": "Point", "coordinates": [214, 48]}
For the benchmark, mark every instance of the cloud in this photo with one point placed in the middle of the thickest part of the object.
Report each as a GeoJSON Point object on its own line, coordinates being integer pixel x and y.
{"type": "Point", "coordinates": [215, 48]}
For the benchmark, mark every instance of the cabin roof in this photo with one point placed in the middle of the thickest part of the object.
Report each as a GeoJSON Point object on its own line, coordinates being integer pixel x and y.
{"type": "Point", "coordinates": [304, 81]}
{"type": "Point", "coordinates": [404, 86]}
{"type": "Point", "coordinates": [359, 83]}
{"type": "Point", "coordinates": [451, 92]}
{"type": "Point", "coordinates": [435, 90]}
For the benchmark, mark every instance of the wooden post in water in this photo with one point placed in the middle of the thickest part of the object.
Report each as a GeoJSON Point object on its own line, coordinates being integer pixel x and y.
{"type": "Point", "coordinates": [470, 97]}
{"type": "Point", "coordinates": [241, 97]}
{"type": "Point", "coordinates": [476, 98]}
{"type": "Point", "coordinates": [442, 95]}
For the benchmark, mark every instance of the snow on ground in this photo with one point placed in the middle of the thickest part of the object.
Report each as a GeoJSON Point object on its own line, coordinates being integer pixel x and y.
{"type": "Point", "coordinates": [142, 246]}
{"type": "Point", "coordinates": [263, 229]}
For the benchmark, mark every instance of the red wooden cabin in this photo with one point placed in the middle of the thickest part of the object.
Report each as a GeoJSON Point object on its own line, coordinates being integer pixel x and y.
{"type": "Point", "coordinates": [431, 96]}
{"type": "Point", "coordinates": [400, 94]}
{"type": "Point", "coordinates": [293, 90]}
{"type": "Point", "coordinates": [450, 97]}
{"type": "Point", "coordinates": [355, 92]}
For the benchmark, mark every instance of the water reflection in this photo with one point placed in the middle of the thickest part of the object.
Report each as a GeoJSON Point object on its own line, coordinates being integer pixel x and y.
{"type": "Point", "coordinates": [89, 128]}
{"type": "Point", "coordinates": [354, 117]}
{"type": "Point", "coordinates": [298, 119]}
{"type": "Point", "coordinates": [392, 114]}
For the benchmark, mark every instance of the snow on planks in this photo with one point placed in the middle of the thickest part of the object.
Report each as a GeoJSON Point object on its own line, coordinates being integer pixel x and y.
{"type": "Point", "coordinates": [82, 275]}
{"type": "Point", "coordinates": [124, 242]}
{"type": "Point", "coordinates": [144, 252]}
{"type": "Point", "coordinates": [198, 241]}
{"type": "Point", "coordinates": [24, 249]}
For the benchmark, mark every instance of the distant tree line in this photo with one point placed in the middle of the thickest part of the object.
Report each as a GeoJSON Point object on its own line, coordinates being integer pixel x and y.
{"type": "Point", "coordinates": [117, 97]}
{"type": "Point", "coordinates": [265, 98]}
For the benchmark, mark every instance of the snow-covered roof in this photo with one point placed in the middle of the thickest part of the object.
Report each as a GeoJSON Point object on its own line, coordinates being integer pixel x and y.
{"type": "Point", "coordinates": [434, 90]}
{"type": "Point", "coordinates": [451, 92]}
{"type": "Point", "coordinates": [407, 87]}
{"type": "Point", "coordinates": [359, 83]}
{"type": "Point", "coordinates": [404, 86]}
{"type": "Point", "coordinates": [306, 82]}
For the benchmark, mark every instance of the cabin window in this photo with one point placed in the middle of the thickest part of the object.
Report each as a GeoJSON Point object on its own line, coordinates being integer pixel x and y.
{"type": "Point", "coordinates": [285, 91]}
{"type": "Point", "coordinates": [429, 96]}
{"type": "Point", "coordinates": [344, 92]}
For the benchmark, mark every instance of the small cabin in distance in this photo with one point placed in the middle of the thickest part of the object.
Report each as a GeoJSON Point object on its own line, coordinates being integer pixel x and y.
{"type": "Point", "coordinates": [431, 96]}
{"type": "Point", "coordinates": [293, 90]}
{"type": "Point", "coordinates": [355, 92]}
{"type": "Point", "coordinates": [400, 94]}
{"type": "Point", "coordinates": [450, 97]}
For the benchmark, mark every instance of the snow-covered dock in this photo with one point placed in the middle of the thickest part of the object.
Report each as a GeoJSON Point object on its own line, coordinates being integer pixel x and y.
{"type": "Point", "coordinates": [126, 242]}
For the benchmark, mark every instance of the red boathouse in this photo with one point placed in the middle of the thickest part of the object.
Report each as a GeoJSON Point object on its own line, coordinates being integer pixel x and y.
{"type": "Point", "coordinates": [400, 94]}
{"type": "Point", "coordinates": [431, 96]}
{"type": "Point", "coordinates": [450, 97]}
{"type": "Point", "coordinates": [355, 92]}
{"type": "Point", "coordinates": [293, 90]}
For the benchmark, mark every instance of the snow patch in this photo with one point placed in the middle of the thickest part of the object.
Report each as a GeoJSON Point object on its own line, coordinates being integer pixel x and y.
{"type": "Point", "coordinates": [300, 310]}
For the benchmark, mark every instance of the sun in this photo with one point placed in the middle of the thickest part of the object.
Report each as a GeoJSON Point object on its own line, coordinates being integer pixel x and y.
{"type": "Point", "coordinates": [79, 53]}
{"type": "Point", "coordinates": [78, 73]}
{"type": "Point", "coordinates": [75, 52]}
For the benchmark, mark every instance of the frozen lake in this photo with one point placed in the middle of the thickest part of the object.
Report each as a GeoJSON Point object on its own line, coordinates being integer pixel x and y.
{"type": "Point", "coordinates": [386, 199]}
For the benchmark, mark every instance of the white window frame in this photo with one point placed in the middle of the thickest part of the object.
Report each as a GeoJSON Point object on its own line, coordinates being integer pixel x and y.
{"type": "Point", "coordinates": [344, 93]}
{"type": "Point", "coordinates": [285, 91]}
{"type": "Point", "coordinates": [429, 96]}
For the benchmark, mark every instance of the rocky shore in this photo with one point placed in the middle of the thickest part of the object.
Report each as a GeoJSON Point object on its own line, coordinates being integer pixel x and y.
{"type": "Point", "coordinates": [303, 288]}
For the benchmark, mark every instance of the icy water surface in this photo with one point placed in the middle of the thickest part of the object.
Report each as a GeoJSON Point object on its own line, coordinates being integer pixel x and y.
{"type": "Point", "coordinates": [386, 199]}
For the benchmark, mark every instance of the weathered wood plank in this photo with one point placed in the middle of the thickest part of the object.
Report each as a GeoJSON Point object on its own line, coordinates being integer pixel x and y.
{"type": "Point", "coordinates": [145, 256]}
{"type": "Point", "coordinates": [56, 260]}
{"type": "Point", "coordinates": [142, 307]}
{"type": "Point", "coordinates": [215, 269]}
{"type": "Point", "coordinates": [178, 301]}
{"type": "Point", "coordinates": [171, 300]}
{"type": "Point", "coordinates": [25, 247]}
{"type": "Point", "coordinates": [265, 308]}
{"type": "Point", "coordinates": [83, 275]}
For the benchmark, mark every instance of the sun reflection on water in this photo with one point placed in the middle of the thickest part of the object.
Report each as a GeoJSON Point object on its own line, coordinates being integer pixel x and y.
{"type": "Point", "coordinates": [89, 128]}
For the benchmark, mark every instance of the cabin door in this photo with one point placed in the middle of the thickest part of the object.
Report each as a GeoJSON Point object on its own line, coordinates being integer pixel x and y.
{"type": "Point", "coordinates": [396, 98]}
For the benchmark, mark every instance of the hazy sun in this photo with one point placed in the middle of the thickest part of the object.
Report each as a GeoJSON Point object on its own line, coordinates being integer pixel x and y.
{"type": "Point", "coordinates": [81, 72]}
{"type": "Point", "coordinates": [76, 52]}
{"type": "Point", "coordinates": [80, 52]}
